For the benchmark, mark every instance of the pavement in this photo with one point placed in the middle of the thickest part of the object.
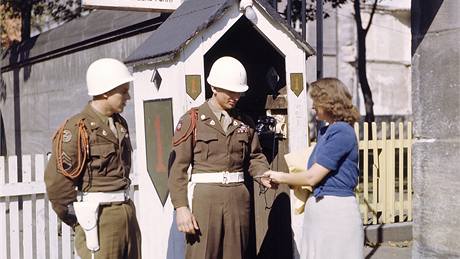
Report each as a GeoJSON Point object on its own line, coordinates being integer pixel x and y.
{"type": "Point", "coordinates": [387, 250]}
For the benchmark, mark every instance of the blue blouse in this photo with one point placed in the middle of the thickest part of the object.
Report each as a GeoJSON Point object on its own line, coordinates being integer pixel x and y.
{"type": "Point", "coordinates": [337, 150]}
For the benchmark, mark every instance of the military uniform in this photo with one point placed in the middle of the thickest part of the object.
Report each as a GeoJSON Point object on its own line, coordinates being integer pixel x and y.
{"type": "Point", "coordinates": [106, 169]}
{"type": "Point", "coordinates": [221, 210]}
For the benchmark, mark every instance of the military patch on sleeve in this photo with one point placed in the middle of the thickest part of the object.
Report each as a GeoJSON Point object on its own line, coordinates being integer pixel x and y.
{"type": "Point", "coordinates": [66, 161]}
{"type": "Point", "coordinates": [66, 136]}
{"type": "Point", "coordinates": [179, 125]}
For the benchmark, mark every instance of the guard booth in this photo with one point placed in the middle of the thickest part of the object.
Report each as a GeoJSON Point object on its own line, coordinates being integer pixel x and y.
{"type": "Point", "coordinates": [170, 70]}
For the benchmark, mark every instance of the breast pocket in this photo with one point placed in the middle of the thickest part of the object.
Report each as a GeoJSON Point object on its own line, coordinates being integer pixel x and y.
{"type": "Point", "coordinates": [241, 144]}
{"type": "Point", "coordinates": [205, 143]}
{"type": "Point", "coordinates": [101, 156]}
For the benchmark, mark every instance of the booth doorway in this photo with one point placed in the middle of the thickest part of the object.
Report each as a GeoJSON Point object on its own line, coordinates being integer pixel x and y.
{"type": "Point", "coordinates": [264, 63]}
{"type": "Point", "coordinates": [271, 236]}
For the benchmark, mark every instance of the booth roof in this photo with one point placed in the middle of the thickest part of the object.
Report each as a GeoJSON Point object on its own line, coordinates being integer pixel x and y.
{"type": "Point", "coordinates": [192, 17]}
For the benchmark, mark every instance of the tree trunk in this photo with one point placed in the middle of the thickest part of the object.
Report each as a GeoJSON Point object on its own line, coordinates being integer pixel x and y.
{"type": "Point", "coordinates": [26, 18]}
{"type": "Point", "coordinates": [362, 73]}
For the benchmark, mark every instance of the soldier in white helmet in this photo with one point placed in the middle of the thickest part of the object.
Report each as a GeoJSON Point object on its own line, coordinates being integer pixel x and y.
{"type": "Point", "coordinates": [220, 144]}
{"type": "Point", "coordinates": [87, 176]}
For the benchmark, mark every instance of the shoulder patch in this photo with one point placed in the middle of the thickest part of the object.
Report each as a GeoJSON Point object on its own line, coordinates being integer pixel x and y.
{"type": "Point", "coordinates": [179, 125]}
{"type": "Point", "coordinates": [66, 136]}
{"type": "Point", "coordinates": [185, 127]}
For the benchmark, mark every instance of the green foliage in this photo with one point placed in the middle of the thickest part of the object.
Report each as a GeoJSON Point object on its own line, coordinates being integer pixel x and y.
{"type": "Point", "coordinates": [20, 16]}
{"type": "Point", "coordinates": [311, 9]}
{"type": "Point", "coordinates": [59, 10]}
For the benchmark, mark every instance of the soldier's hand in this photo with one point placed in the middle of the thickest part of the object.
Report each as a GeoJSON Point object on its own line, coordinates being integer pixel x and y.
{"type": "Point", "coordinates": [186, 222]}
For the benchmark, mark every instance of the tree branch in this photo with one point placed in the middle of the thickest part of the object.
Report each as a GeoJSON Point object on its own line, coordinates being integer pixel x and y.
{"type": "Point", "coordinates": [374, 6]}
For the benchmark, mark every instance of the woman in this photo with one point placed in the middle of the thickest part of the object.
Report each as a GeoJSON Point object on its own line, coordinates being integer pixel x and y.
{"type": "Point", "coordinates": [332, 221]}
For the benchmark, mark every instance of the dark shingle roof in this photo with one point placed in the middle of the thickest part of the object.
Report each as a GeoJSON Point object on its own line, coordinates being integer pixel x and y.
{"type": "Point", "coordinates": [192, 17]}
{"type": "Point", "coordinates": [187, 21]}
{"type": "Point", "coordinates": [95, 28]}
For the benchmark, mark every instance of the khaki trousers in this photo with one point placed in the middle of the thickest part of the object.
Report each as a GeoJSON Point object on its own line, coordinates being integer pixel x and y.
{"type": "Point", "coordinates": [119, 233]}
{"type": "Point", "coordinates": [222, 213]}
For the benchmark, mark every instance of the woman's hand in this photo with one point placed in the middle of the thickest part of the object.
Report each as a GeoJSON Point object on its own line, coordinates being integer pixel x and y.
{"type": "Point", "coordinates": [275, 176]}
{"type": "Point", "coordinates": [266, 181]}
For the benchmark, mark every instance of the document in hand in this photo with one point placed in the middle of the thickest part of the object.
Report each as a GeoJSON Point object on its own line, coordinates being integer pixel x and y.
{"type": "Point", "coordinates": [297, 163]}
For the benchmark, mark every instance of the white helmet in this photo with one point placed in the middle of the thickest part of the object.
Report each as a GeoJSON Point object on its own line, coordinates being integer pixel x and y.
{"type": "Point", "coordinates": [106, 74]}
{"type": "Point", "coordinates": [229, 74]}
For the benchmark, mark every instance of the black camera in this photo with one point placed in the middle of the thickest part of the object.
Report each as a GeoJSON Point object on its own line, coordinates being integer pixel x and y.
{"type": "Point", "coordinates": [265, 125]}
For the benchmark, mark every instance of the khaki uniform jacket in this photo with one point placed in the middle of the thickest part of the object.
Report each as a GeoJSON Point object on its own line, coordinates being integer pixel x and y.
{"type": "Point", "coordinates": [106, 169]}
{"type": "Point", "coordinates": [214, 150]}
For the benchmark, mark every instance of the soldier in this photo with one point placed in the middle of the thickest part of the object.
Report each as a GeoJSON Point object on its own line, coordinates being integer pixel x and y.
{"type": "Point", "coordinates": [88, 173]}
{"type": "Point", "coordinates": [219, 143]}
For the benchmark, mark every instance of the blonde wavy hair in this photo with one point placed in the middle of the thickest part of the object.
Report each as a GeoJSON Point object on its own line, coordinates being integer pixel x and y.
{"type": "Point", "coordinates": [332, 95]}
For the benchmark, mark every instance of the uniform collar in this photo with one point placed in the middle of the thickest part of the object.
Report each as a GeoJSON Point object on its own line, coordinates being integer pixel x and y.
{"type": "Point", "coordinates": [217, 111]}
{"type": "Point", "coordinates": [213, 107]}
{"type": "Point", "coordinates": [102, 117]}
{"type": "Point", "coordinates": [209, 118]}
{"type": "Point", "coordinates": [96, 123]}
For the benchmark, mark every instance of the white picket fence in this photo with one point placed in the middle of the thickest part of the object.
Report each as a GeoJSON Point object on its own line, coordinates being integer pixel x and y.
{"type": "Point", "coordinates": [29, 228]}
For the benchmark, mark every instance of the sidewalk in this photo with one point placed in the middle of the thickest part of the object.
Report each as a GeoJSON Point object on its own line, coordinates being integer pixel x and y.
{"type": "Point", "coordinates": [387, 250]}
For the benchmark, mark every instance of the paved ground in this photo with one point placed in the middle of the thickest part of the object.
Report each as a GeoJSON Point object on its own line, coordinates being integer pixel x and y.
{"type": "Point", "coordinates": [387, 250]}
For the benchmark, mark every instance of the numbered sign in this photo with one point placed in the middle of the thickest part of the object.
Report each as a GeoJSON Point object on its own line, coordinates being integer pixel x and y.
{"type": "Point", "coordinates": [296, 83]}
{"type": "Point", "coordinates": [158, 120]}
{"type": "Point", "coordinates": [193, 85]}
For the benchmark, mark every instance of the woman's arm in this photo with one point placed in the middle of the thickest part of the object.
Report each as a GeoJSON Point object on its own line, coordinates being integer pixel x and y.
{"type": "Point", "coordinates": [310, 178]}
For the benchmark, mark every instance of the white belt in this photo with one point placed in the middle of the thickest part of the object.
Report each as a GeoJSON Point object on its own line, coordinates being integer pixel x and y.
{"type": "Point", "coordinates": [220, 177]}
{"type": "Point", "coordinates": [104, 197]}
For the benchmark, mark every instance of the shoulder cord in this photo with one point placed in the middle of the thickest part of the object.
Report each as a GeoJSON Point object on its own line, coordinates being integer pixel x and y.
{"type": "Point", "coordinates": [82, 150]}
{"type": "Point", "coordinates": [191, 128]}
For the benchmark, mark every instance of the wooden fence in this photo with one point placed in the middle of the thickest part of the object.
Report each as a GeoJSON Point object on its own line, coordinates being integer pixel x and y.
{"type": "Point", "coordinates": [29, 228]}
{"type": "Point", "coordinates": [385, 188]}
